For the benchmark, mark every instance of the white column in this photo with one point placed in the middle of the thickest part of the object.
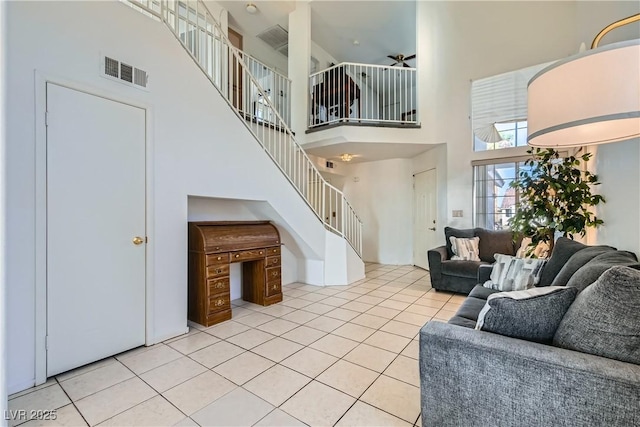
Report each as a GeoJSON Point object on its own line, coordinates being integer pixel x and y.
{"type": "Point", "coordinates": [299, 59]}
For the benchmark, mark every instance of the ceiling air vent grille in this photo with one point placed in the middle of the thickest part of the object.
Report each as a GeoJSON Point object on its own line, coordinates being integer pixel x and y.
{"type": "Point", "coordinates": [275, 36]}
{"type": "Point", "coordinates": [125, 73]}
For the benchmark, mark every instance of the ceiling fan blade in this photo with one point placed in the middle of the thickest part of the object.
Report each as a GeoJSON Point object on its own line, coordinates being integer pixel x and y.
{"type": "Point", "coordinates": [395, 58]}
{"type": "Point", "coordinates": [410, 57]}
{"type": "Point", "coordinates": [404, 64]}
{"type": "Point", "coordinates": [393, 64]}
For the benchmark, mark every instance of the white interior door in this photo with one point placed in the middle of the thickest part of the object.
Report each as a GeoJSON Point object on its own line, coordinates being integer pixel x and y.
{"type": "Point", "coordinates": [95, 207]}
{"type": "Point", "coordinates": [424, 216]}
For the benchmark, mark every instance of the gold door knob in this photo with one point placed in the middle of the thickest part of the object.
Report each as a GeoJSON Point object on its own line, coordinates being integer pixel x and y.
{"type": "Point", "coordinates": [138, 240]}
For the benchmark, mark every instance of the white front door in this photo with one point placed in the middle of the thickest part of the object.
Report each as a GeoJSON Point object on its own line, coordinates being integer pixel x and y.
{"type": "Point", "coordinates": [95, 208]}
{"type": "Point", "coordinates": [424, 216]}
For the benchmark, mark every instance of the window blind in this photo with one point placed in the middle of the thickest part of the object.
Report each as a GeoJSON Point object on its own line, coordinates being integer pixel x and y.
{"type": "Point", "coordinates": [500, 98]}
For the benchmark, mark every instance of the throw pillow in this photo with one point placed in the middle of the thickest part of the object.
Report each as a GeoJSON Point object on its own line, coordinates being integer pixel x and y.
{"type": "Point", "coordinates": [465, 249]}
{"type": "Point", "coordinates": [532, 315]}
{"type": "Point", "coordinates": [592, 270]}
{"type": "Point", "coordinates": [605, 318]}
{"type": "Point", "coordinates": [495, 242]}
{"type": "Point", "coordinates": [576, 261]}
{"type": "Point", "coordinates": [540, 251]}
{"type": "Point", "coordinates": [562, 251]}
{"type": "Point", "coordinates": [514, 274]}
{"type": "Point", "coordinates": [455, 232]}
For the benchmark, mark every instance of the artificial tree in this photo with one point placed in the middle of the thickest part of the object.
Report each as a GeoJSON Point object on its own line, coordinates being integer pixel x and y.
{"type": "Point", "coordinates": [555, 197]}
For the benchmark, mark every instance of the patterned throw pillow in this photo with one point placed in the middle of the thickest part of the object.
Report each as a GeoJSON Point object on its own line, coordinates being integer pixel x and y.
{"type": "Point", "coordinates": [532, 315]}
{"type": "Point", "coordinates": [465, 249]}
{"type": "Point", "coordinates": [514, 274]}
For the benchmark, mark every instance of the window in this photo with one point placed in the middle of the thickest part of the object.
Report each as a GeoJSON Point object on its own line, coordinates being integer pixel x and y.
{"type": "Point", "coordinates": [499, 109]}
{"type": "Point", "coordinates": [495, 200]}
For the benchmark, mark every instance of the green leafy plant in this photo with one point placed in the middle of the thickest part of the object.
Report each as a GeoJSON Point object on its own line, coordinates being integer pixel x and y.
{"type": "Point", "coordinates": [555, 196]}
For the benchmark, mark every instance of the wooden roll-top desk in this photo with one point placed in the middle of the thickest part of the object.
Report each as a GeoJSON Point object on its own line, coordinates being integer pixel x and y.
{"type": "Point", "coordinates": [213, 246]}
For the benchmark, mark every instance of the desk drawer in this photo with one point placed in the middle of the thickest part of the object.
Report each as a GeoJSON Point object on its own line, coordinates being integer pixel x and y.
{"type": "Point", "coordinates": [273, 261]}
{"type": "Point", "coordinates": [273, 274]}
{"type": "Point", "coordinates": [247, 255]}
{"type": "Point", "coordinates": [273, 287]}
{"type": "Point", "coordinates": [217, 270]}
{"type": "Point", "coordinates": [273, 251]}
{"type": "Point", "coordinates": [219, 303]}
{"type": "Point", "coordinates": [218, 286]}
{"type": "Point", "coordinates": [217, 259]}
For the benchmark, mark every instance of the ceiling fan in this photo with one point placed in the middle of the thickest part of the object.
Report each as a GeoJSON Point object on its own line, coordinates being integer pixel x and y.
{"type": "Point", "coordinates": [401, 59]}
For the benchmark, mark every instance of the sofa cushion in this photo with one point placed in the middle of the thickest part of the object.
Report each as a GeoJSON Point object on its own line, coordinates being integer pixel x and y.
{"type": "Point", "coordinates": [532, 314]}
{"type": "Point", "coordinates": [455, 232]}
{"type": "Point", "coordinates": [468, 269]}
{"type": "Point", "coordinates": [468, 312]}
{"type": "Point", "coordinates": [605, 318]}
{"type": "Point", "coordinates": [482, 292]}
{"type": "Point", "coordinates": [465, 249]}
{"type": "Point", "coordinates": [576, 261]}
{"type": "Point", "coordinates": [593, 269]}
{"type": "Point", "coordinates": [563, 249]}
{"type": "Point", "coordinates": [495, 242]}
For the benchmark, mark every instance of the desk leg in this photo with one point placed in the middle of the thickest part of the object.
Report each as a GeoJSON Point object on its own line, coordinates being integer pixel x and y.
{"type": "Point", "coordinates": [253, 281]}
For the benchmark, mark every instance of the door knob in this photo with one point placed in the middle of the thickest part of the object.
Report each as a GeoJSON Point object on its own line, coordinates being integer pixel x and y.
{"type": "Point", "coordinates": [432, 228]}
{"type": "Point", "coordinates": [138, 240]}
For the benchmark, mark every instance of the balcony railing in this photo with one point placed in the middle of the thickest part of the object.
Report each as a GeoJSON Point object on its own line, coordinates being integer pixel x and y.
{"type": "Point", "coordinates": [229, 70]}
{"type": "Point", "coordinates": [362, 93]}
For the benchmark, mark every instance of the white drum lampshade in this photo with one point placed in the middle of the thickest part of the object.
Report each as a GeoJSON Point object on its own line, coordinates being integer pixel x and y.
{"type": "Point", "coordinates": [590, 98]}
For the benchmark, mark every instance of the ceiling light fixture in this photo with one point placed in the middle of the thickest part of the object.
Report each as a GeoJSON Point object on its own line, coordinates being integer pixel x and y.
{"type": "Point", "coordinates": [590, 98]}
{"type": "Point", "coordinates": [251, 8]}
{"type": "Point", "coordinates": [346, 157]}
{"type": "Point", "coordinates": [356, 43]}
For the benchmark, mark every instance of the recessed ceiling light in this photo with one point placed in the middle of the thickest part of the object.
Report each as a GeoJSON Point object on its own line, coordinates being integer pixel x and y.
{"type": "Point", "coordinates": [251, 8]}
{"type": "Point", "coordinates": [356, 43]}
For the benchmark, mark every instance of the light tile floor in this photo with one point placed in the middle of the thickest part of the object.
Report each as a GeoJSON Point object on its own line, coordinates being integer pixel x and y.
{"type": "Point", "coordinates": [339, 355]}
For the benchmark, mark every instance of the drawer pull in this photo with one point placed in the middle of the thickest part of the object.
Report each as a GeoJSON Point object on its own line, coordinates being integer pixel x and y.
{"type": "Point", "coordinates": [219, 303]}
{"type": "Point", "coordinates": [218, 285]}
{"type": "Point", "coordinates": [219, 258]}
{"type": "Point", "coordinates": [275, 250]}
{"type": "Point", "coordinates": [274, 273]}
{"type": "Point", "coordinates": [218, 271]}
{"type": "Point", "coordinates": [260, 252]}
{"type": "Point", "coordinates": [275, 287]}
{"type": "Point", "coordinates": [237, 255]}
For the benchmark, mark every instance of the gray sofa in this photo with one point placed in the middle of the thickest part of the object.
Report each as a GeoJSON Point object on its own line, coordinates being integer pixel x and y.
{"type": "Point", "coordinates": [461, 276]}
{"type": "Point", "coordinates": [477, 378]}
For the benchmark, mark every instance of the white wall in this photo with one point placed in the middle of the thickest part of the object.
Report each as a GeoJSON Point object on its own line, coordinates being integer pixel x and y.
{"type": "Point", "coordinates": [381, 193]}
{"type": "Point", "coordinates": [196, 143]}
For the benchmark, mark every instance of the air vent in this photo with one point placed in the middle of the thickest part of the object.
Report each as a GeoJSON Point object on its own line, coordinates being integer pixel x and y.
{"type": "Point", "coordinates": [275, 36]}
{"type": "Point", "coordinates": [111, 67]}
{"type": "Point", "coordinates": [329, 164]}
{"type": "Point", "coordinates": [140, 77]}
{"type": "Point", "coordinates": [124, 73]}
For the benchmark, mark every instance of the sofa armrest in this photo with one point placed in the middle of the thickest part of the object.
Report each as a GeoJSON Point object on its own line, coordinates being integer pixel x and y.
{"type": "Point", "coordinates": [471, 377]}
{"type": "Point", "coordinates": [435, 257]}
{"type": "Point", "coordinates": [484, 273]}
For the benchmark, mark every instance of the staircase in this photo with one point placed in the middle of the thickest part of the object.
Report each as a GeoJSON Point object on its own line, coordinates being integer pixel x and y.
{"type": "Point", "coordinates": [227, 69]}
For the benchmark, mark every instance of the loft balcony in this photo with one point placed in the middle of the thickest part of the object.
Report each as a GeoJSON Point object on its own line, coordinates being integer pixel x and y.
{"type": "Point", "coordinates": [363, 95]}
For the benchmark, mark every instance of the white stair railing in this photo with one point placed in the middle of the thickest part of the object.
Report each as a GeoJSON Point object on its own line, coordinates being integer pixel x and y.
{"type": "Point", "coordinates": [276, 86]}
{"type": "Point", "coordinates": [201, 35]}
